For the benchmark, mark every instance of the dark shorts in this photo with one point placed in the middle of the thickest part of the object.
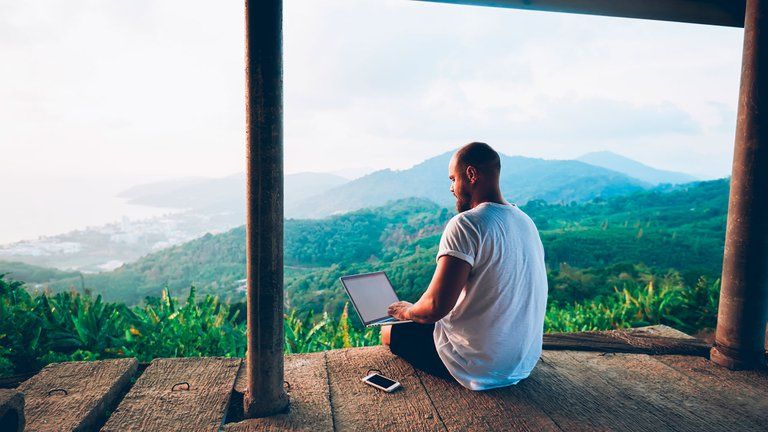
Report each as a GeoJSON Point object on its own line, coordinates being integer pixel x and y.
{"type": "Point", "coordinates": [414, 343]}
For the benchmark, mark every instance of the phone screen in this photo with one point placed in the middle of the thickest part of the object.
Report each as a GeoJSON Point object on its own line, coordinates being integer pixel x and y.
{"type": "Point", "coordinates": [381, 381]}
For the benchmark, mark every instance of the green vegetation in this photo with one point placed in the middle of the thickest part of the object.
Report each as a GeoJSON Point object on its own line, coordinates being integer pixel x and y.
{"type": "Point", "coordinates": [32, 274]}
{"type": "Point", "coordinates": [36, 330]}
{"type": "Point", "coordinates": [666, 300]}
{"type": "Point", "coordinates": [588, 246]}
{"type": "Point", "coordinates": [648, 258]}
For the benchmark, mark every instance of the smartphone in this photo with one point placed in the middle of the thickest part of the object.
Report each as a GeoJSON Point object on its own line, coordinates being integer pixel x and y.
{"type": "Point", "coordinates": [381, 382]}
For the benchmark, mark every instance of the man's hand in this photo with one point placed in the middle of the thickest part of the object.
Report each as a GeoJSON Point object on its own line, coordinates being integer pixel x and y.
{"type": "Point", "coordinates": [399, 310]}
{"type": "Point", "coordinates": [441, 296]}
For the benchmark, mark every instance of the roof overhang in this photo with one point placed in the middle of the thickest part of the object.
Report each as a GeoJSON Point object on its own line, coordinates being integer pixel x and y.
{"type": "Point", "coordinates": [713, 12]}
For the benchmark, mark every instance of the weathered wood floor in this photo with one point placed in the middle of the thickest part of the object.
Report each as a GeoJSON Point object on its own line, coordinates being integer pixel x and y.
{"type": "Point", "coordinates": [569, 390]}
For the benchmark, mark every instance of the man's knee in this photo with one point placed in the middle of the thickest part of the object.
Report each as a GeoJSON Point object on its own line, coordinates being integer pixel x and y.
{"type": "Point", "coordinates": [386, 331]}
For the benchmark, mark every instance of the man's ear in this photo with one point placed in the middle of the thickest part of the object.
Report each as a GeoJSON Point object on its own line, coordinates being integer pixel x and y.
{"type": "Point", "coordinates": [472, 174]}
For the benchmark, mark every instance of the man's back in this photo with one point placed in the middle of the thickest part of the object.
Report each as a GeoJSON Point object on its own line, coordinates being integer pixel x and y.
{"type": "Point", "coordinates": [493, 335]}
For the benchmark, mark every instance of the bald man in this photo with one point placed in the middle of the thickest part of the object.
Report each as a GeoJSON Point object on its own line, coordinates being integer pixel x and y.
{"type": "Point", "coordinates": [481, 319]}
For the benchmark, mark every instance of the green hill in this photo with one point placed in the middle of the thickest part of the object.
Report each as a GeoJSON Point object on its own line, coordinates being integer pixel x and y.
{"type": "Point", "coordinates": [216, 263]}
{"type": "Point", "coordinates": [34, 275]}
{"type": "Point", "coordinates": [589, 248]}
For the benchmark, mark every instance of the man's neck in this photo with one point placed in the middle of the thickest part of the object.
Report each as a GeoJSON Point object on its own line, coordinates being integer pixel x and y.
{"type": "Point", "coordinates": [492, 196]}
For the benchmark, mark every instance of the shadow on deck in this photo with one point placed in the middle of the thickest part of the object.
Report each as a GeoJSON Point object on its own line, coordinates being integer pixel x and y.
{"type": "Point", "coordinates": [570, 389]}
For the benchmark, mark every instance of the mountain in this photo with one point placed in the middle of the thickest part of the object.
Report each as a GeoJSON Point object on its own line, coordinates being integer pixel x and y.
{"type": "Point", "coordinates": [302, 185]}
{"type": "Point", "coordinates": [160, 187]}
{"type": "Point", "coordinates": [316, 195]}
{"type": "Point", "coordinates": [632, 168]}
{"type": "Point", "coordinates": [522, 179]}
{"type": "Point", "coordinates": [217, 205]}
{"type": "Point", "coordinates": [225, 193]}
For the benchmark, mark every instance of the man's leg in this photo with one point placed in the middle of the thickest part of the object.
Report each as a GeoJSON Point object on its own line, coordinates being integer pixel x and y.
{"type": "Point", "coordinates": [386, 331]}
{"type": "Point", "coordinates": [414, 343]}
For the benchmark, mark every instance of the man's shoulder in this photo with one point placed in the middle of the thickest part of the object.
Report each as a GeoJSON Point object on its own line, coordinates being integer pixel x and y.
{"type": "Point", "coordinates": [463, 221]}
{"type": "Point", "coordinates": [465, 218]}
{"type": "Point", "coordinates": [483, 213]}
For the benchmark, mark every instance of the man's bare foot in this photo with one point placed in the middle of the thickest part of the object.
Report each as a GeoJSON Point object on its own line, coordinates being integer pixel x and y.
{"type": "Point", "coordinates": [385, 332]}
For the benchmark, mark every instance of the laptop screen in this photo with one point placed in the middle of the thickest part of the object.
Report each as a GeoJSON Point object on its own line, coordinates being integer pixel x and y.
{"type": "Point", "coordinates": [371, 294]}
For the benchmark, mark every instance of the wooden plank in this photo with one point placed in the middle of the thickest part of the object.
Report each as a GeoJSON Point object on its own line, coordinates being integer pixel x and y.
{"type": "Point", "coordinates": [577, 399]}
{"type": "Point", "coordinates": [11, 410]}
{"type": "Point", "coordinates": [744, 392]}
{"type": "Point", "coordinates": [714, 375]}
{"type": "Point", "coordinates": [684, 403]}
{"type": "Point", "coordinates": [501, 409]}
{"type": "Point", "coordinates": [643, 340]}
{"type": "Point", "coordinates": [310, 406]}
{"type": "Point", "coordinates": [153, 404]}
{"type": "Point", "coordinates": [360, 407]}
{"type": "Point", "coordinates": [75, 395]}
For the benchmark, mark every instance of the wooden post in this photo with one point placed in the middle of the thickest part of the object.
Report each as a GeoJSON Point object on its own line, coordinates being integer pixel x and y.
{"type": "Point", "coordinates": [264, 225]}
{"type": "Point", "coordinates": [743, 310]}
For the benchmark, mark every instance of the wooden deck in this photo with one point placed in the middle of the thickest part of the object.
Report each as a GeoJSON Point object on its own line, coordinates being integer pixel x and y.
{"type": "Point", "coordinates": [570, 390]}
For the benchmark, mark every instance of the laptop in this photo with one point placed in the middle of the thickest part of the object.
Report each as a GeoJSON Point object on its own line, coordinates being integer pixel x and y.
{"type": "Point", "coordinates": [371, 295]}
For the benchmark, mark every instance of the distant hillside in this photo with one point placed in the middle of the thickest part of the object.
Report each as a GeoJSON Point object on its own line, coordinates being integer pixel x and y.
{"type": "Point", "coordinates": [316, 195]}
{"type": "Point", "coordinates": [216, 263]}
{"type": "Point", "coordinates": [665, 228]}
{"type": "Point", "coordinates": [224, 194]}
{"type": "Point", "coordinates": [146, 190]}
{"type": "Point", "coordinates": [106, 247]}
{"type": "Point", "coordinates": [34, 275]}
{"type": "Point", "coordinates": [632, 168]}
{"type": "Point", "coordinates": [214, 206]}
{"type": "Point", "coordinates": [523, 179]}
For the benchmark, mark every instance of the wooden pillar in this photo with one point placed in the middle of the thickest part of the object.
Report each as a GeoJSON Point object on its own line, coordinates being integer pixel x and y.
{"type": "Point", "coordinates": [743, 310]}
{"type": "Point", "coordinates": [264, 225]}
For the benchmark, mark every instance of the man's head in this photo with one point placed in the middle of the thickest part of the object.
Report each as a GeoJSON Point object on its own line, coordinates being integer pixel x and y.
{"type": "Point", "coordinates": [474, 172]}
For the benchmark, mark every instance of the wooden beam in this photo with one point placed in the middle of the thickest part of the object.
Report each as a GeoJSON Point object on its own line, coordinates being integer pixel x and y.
{"type": "Point", "coordinates": [264, 208]}
{"type": "Point", "coordinates": [642, 340]}
{"type": "Point", "coordinates": [728, 13]}
{"type": "Point", "coordinates": [743, 307]}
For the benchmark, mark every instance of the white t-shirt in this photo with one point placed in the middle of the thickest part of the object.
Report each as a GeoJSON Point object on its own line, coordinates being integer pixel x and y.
{"type": "Point", "coordinates": [493, 336]}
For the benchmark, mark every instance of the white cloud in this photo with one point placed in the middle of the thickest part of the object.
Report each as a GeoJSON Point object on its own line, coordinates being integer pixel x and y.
{"type": "Point", "coordinates": [154, 89]}
{"type": "Point", "coordinates": [421, 78]}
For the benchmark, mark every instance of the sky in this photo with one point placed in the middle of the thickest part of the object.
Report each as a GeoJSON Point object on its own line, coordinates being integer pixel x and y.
{"type": "Point", "coordinates": [98, 96]}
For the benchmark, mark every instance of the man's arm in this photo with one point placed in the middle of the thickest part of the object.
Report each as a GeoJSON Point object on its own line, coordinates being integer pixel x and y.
{"type": "Point", "coordinates": [449, 279]}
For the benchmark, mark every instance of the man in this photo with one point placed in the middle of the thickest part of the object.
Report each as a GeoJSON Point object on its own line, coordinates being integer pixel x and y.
{"type": "Point", "coordinates": [481, 319]}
